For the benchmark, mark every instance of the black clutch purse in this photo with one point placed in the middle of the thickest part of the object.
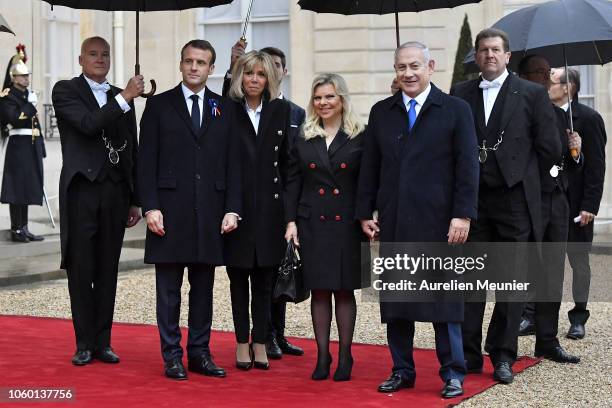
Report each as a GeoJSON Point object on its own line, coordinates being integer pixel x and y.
{"type": "Point", "coordinates": [289, 285]}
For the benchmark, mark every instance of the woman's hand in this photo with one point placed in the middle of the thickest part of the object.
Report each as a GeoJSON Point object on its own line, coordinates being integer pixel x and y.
{"type": "Point", "coordinates": [292, 233]}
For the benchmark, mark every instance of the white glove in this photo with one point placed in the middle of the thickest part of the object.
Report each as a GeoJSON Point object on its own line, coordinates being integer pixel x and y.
{"type": "Point", "coordinates": [32, 98]}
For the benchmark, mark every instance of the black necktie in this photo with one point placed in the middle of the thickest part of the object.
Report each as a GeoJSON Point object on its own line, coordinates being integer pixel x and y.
{"type": "Point", "coordinates": [195, 112]}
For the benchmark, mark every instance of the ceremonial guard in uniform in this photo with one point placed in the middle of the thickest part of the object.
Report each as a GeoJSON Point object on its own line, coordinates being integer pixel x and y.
{"type": "Point", "coordinates": [22, 182]}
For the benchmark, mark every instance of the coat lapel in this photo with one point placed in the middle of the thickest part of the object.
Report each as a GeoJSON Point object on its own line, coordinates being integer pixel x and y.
{"type": "Point", "coordinates": [510, 104]}
{"type": "Point", "coordinates": [86, 93]}
{"type": "Point", "coordinates": [318, 143]}
{"type": "Point", "coordinates": [207, 116]}
{"type": "Point", "coordinates": [434, 98]}
{"type": "Point", "coordinates": [179, 104]}
{"type": "Point", "coordinates": [267, 112]}
{"type": "Point", "coordinates": [339, 141]}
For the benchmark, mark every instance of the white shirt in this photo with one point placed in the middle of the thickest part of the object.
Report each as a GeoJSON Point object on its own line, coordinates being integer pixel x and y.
{"type": "Point", "coordinates": [420, 99]}
{"type": "Point", "coordinates": [187, 94]}
{"type": "Point", "coordinates": [565, 106]}
{"type": "Point", "coordinates": [490, 95]}
{"type": "Point", "coordinates": [100, 95]}
{"type": "Point", "coordinates": [254, 114]}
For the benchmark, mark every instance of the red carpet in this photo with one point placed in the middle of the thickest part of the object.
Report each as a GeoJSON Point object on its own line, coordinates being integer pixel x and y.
{"type": "Point", "coordinates": [36, 352]}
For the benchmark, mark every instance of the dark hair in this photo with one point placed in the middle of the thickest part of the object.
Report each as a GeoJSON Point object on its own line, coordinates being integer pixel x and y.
{"type": "Point", "coordinates": [202, 45]}
{"type": "Point", "coordinates": [275, 52]}
{"type": "Point", "coordinates": [523, 66]}
{"type": "Point", "coordinates": [574, 78]}
{"type": "Point", "coordinates": [492, 33]}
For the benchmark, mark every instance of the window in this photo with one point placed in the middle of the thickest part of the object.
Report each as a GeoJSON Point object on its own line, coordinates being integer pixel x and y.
{"type": "Point", "coordinates": [62, 42]}
{"type": "Point", "coordinates": [587, 85]}
{"type": "Point", "coordinates": [222, 26]}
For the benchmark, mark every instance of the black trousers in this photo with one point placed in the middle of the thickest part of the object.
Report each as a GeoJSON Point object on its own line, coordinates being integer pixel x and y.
{"type": "Point", "coordinates": [503, 217]}
{"type": "Point", "coordinates": [581, 270]}
{"type": "Point", "coordinates": [400, 337]}
{"type": "Point", "coordinates": [544, 309]}
{"type": "Point", "coordinates": [278, 311]}
{"type": "Point", "coordinates": [97, 215]}
{"type": "Point", "coordinates": [19, 216]}
{"type": "Point", "coordinates": [261, 287]}
{"type": "Point", "coordinates": [168, 282]}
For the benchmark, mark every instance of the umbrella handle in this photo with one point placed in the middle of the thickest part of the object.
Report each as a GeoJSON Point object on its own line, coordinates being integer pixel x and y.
{"type": "Point", "coordinates": [152, 91]}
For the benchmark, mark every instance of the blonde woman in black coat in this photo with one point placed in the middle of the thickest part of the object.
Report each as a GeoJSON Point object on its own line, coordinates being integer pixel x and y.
{"type": "Point", "coordinates": [254, 250]}
{"type": "Point", "coordinates": [321, 187]}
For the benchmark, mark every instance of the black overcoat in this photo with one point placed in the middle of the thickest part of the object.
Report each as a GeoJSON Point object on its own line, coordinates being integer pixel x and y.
{"type": "Point", "coordinates": [321, 191]}
{"type": "Point", "coordinates": [191, 176]}
{"type": "Point", "coordinates": [81, 122]}
{"type": "Point", "coordinates": [418, 181]}
{"type": "Point", "coordinates": [22, 180]}
{"type": "Point", "coordinates": [259, 239]}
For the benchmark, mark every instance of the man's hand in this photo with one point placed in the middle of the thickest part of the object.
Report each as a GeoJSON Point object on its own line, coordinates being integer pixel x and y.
{"type": "Point", "coordinates": [574, 141]}
{"type": "Point", "coordinates": [458, 230]}
{"type": "Point", "coordinates": [292, 233]}
{"type": "Point", "coordinates": [134, 88]}
{"type": "Point", "coordinates": [133, 216]}
{"type": "Point", "coordinates": [370, 228]}
{"type": "Point", "coordinates": [229, 223]}
{"type": "Point", "coordinates": [155, 222]}
{"type": "Point", "coordinates": [237, 52]}
{"type": "Point", "coordinates": [586, 217]}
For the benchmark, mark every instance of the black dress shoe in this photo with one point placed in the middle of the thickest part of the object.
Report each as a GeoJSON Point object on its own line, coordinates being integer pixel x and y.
{"type": "Point", "coordinates": [31, 236]}
{"type": "Point", "coordinates": [18, 235]}
{"type": "Point", "coordinates": [174, 369]}
{"type": "Point", "coordinates": [558, 355]}
{"type": "Point", "coordinates": [576, 331]}
{"type": "Point", "coordinates": [288, 348]}
{"type": "Point", "coordinates": [107, 355]}
{"type": "Point", "coordinates": [503, 372]}
{"type": "Point", "coordinates": [82, 357]}
{"type": "Point", "coordinates": [453, 388]}
{"type": "Point", "coordinates": [343, 371]}
{"type": "Point", "coordinates": [273, 350]}
{"type": "Point", "coordinates": [527, 327]}
{"type": "Point", "coordinates": [321, 371]}
{"type": "Point", "coordinates": [395, 383]}
{"type": "Point", "coordinates": [246, 365]}
{"type": "Point", "coordinates": [204, 364]}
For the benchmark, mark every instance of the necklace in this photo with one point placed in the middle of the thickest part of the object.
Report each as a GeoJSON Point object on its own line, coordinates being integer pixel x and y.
{"type": "Point", "coordinates": [113, 154]}
{"type": "Point", "coordinates": [482, 153]}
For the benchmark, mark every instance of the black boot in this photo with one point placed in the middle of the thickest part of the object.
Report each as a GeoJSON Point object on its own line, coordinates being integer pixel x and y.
{"type": "Point", "coordinates": [18, 235]}
{"type": "Point", "coordinates": [31, 236]}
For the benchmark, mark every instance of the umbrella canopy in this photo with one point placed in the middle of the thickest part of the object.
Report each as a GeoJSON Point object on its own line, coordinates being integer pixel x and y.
{"type": "Point", "coordinates": [349, 7]}
{"type": "Point", "coordinates": [137, 5]}
{"type": "Point", "coordinates": [4, 26]}
{"type": "Point", "coordinates": [576, 32]}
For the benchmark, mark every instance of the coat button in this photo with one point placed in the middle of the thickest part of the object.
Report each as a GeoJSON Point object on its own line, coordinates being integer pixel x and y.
{"type": "Point", "coordinates": [312, 165]}
{"type": "Point", "coordinates": [275, 180]}
{"type": "Point", "coordinates": [336, 191]}
{"type": "Point", "coordinates": [343, 165]}
{"type": "Point", "coordinates": [276, 148]}
{"type": "Point", "coordinates": [338, 218]}
{"type": "Point", "coordinates": [197, 176]}
{"type": "Point", "coordinates": [322, 218]}
{"type": "Point", "coordinates": [89, 170]}
{"type": "Point", "coordinates": [321, 191]}
{"type": "Point", "coordinates": [276, 196]}
{"type": "Point", "coordinates": [275, 164]}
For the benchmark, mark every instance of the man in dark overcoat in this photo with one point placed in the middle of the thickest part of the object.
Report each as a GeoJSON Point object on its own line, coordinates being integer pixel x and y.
{"type": "Point", "coordinates": [584, 192]}
{"type": "Point", "coordinates": [22, 180]}
{"type": "Point", "coordinates": [189, 183]}
{"type": "Point", "coordinates": [419, 171]}
{"type": "Point", "coordinates": [513, 120]}
{"type": "Point", "coordinates": [97, 196]}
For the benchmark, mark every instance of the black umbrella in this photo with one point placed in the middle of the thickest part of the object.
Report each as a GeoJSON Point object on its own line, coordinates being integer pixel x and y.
{"type": "Point", "coordinates": [565, 32]}
{"type": "Point", "coordinates": [137, 6]}
{"type": "Point", "coordinates": [349, 7]}
{"type": "Point", "coordinates": [4, 26]}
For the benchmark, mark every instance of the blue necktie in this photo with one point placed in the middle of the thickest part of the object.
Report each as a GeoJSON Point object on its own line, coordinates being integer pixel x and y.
{"type": "Point", "coordinates": [412, 114]}
{"type": "Point", "coordinates": [195, 112]}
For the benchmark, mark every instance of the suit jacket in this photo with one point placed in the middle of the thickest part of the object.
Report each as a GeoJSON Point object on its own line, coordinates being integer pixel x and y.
{"type": "Point", "coordinates": [81, 122]}
{"type": "Point", "coordinates": [529, 140]}
{"type": "Point", "coordinates": [264, 158]}
{"type": "Point", "coordinates": [321, 191]}
{"type": "Point", "coordinates": [418, 181]}
{"type": "Point", "coordinates": [586, 184]}
{"type": "Point", "coordinates": [191, 176]}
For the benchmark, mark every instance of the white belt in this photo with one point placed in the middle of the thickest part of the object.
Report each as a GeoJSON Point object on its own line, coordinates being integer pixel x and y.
{"type": "Point", "coordinates": [20, 132]}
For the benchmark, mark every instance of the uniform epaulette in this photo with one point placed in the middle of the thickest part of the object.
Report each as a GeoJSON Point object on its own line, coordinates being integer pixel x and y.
{"type": "Point", "coordinates": [5, 92]}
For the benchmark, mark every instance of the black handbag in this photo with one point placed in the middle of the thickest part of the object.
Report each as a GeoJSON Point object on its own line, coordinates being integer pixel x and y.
{"type": "Point", "coordinates": [289, 285]}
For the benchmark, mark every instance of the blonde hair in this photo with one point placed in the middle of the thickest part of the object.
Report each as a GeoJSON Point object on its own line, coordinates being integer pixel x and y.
{"type": "Point", "coordinates": [351, 124]}
{"type": "Point", "coordinates": [246, 63]}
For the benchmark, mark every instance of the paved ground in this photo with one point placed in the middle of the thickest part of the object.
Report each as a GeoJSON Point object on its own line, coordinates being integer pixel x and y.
{"type": "Point", "coordinates": [546, 385]}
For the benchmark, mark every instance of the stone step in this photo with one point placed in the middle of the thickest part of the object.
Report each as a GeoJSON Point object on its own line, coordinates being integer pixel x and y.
{"type": "Point", "coordinates": [30, 269]}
